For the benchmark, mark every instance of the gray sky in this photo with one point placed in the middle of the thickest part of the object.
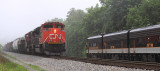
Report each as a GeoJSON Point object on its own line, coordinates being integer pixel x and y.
{"type": "Point", "coordinates": [17, 17]}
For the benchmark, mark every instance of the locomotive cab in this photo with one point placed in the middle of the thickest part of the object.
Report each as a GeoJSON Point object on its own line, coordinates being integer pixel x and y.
{"type": "Point", "coordinates": [53, 37]}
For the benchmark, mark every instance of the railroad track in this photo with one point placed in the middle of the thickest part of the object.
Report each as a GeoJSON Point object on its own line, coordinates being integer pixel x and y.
{"type": "Point", "coordinates": [110, 62]}
{"type": "Point", "coordinates": [120, 63]}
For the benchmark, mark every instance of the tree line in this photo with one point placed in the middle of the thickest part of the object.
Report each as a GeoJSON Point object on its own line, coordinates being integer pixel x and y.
{"type": "Point", "coordinates": [110, 16]}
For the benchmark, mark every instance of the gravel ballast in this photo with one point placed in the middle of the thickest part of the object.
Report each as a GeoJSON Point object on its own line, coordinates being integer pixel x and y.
{"type": "Point", "coordinates": [50, 64]}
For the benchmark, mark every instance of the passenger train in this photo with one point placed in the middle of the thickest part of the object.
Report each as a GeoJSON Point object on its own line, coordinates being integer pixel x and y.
{"type": "Point", "coordinates": [142, 44]}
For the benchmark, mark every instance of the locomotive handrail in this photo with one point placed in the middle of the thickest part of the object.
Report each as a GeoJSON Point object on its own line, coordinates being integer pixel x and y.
{"type": "Point", "coordinates": [45, 39]}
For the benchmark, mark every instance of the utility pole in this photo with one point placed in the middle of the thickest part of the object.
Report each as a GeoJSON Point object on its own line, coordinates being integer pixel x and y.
{"type": "Point", "coordinates": [102, 34]}
{"type": "Point", "coordinates": [128, 44]}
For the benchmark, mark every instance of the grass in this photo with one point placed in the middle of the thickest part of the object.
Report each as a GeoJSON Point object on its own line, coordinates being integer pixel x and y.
{"type": "Point", "coordinates": [36, 67]}
{"type": "Point", "coordinates": [6, 65]}
{"type": "Point", "coordinates": [33, 66]}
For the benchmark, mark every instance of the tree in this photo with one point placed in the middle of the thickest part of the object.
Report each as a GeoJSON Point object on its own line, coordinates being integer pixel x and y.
{"type": "Point", "coordinates": [0, 46]}
{"type": "Point", "coordinates": [144, 14]}
{"type": "Point", "coordinates": [117, 11]}
{"type": "Point", "coordinates": [74, 32]}
{"type": "Point", "coordinates": [56, 20]}
{"type": "Point", "coordinates": [111, 16]}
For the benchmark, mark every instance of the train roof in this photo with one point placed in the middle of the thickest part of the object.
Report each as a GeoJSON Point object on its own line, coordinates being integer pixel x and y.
{"type": "Point", "coordinates": [109, 34]}
{"type": "Point", "coordinates": [94, 37]}
{"type": "Point", "coordinates": [116, 33]}
{"type": "Point", "coordinates": [144, 31]}
{"type": "Point", "coordinates": [146, 28]}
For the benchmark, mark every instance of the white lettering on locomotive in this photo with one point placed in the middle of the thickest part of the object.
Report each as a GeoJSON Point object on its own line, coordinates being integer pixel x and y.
{"type": "Point", "coordinates": [54, 36]}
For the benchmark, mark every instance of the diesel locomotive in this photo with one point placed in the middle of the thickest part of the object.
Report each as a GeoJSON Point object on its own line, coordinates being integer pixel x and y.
{"type": "Point", "coordinates": [49, 39]}
{"type": "Point", "coordinates": [142, 44]}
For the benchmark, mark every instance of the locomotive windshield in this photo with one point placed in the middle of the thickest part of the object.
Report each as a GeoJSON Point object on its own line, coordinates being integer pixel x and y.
{"type": "Point", "coordinates": [58, 26]}
{"type": "Point", "coordinates": [48, 26]}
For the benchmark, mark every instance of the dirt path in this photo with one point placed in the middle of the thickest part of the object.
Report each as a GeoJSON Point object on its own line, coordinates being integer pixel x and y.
{"type": "Point", "coordinates": [20, 63]}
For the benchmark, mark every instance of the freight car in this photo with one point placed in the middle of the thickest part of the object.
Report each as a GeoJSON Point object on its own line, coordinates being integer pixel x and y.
{"type": "Point", "coordinates": [15, 45]}
{"type": "Point", "coordinates": [142, 44]}
{"type": "Point", "coordinates": [8, 47]}
{"type": "Point", "coordinates": [19, 45]}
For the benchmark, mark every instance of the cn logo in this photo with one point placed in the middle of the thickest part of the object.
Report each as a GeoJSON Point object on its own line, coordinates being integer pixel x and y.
{"type": "Point", "coordinates": [54, 36]}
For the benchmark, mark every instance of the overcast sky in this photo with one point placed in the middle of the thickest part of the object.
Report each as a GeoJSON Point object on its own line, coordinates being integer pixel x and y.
{"type": "Point", "coordinates": [17, 17]}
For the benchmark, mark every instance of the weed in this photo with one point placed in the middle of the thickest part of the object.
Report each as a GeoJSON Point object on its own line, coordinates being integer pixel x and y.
{"type": "Point", "coordinates": [6, 65]}
{"type": "Point", "coordinates": [36, 67]}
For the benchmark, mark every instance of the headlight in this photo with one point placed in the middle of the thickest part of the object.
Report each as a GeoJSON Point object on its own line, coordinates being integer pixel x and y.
{"type": "Point", "coordinates": [55, 30]}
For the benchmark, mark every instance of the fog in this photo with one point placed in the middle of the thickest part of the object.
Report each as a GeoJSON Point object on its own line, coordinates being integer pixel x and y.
{"type": "Point", "coordinates": [17, 17]}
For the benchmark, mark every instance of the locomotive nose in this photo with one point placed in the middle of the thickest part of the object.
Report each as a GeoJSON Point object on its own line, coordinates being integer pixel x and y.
{"type": "Point", "coordinates": [54, 36]}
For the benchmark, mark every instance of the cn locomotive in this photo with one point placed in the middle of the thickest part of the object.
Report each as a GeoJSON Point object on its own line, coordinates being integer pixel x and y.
{"type": "Point", "coordinates": [142, 44]}
{"type": "Point", "coordinates": [49, 38]}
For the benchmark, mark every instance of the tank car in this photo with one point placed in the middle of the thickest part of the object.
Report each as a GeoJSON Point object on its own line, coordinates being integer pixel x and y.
{"type": "Point", "coordinates": [15, 45]}
{"type": "Point", "coordinates": [19, 45]}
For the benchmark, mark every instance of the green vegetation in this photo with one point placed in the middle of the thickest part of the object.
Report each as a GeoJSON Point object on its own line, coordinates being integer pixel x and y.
{"type": "Point", "coordinates": [111, 16]}
{"type": "Point", "coordinates": [12, 57]}
{"type": "Point", "coordinates": [33, 66]}
{"type": "Point", "coordinates": [36, 67]}
{"type": "Point", "coordinates": [6, 65]}
{"type": "Point", "coordinates": [144, 14]}
{"type": "Point", "coordinates": [0, 47]}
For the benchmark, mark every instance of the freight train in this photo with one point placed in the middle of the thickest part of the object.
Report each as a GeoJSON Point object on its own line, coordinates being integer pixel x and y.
{"type": "Point", "coordinates": [142, 44]}
{"type": "Point", "coordinates": [49, 39]}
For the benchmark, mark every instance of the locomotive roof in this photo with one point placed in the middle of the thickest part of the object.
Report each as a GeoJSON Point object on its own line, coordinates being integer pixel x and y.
{"type": "Point", "coordinates": [146, 28]}
{"type": "Point", "coordinates": [53, 23]}
{"type": "Point", "coordinates": [93, 37]}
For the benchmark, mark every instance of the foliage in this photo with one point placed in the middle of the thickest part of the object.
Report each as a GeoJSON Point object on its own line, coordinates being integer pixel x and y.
{"type": "Point", "coordinates": [111, 16]}
{"type": "Point", "coordinates": [33, 66]}
{"type": "Point", "coordinates": [55, 20]}
{"type": "Point", "coordinates": [115, 15]}
{"type": "Point", "coordinates": [74, 32]}
{"type": "Point", "coordinates": [6, 65]}
{"type": "Point", "coordinates": [144, 14]}
{"type": "Point", "coordinates": [0, 45]}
